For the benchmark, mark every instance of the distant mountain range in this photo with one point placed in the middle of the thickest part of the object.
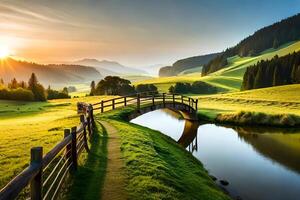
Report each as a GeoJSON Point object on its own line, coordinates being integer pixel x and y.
{"type": "Point", "coordinates": [109, 67]}
{"type": "Point", "coordinates": [52, 74]}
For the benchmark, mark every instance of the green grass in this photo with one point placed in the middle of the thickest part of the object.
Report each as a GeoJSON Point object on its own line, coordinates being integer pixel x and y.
{"type": "Point", "coordinates": [92, 168]}
{"type": "Point", "coordinates": [157, 167]}
{"type": "Point", "coordinates": [280, 101]}
{"type": "Point", "coordinates": [228, 79]}
{"type": "Point", "coordinates": [24, 125]}
{"type": "Point", "coordinates": [192, 70]}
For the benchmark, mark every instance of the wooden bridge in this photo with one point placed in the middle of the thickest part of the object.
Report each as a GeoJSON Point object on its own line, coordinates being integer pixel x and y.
{"type": "Point", "coordinates": [45, 175]}
{"type": "Point", "coordinates": [149, 101]}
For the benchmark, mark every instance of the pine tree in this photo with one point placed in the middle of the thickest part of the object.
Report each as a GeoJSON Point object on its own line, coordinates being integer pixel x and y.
{"type": "Point", "coordinates": [13, 84]}
{"type": "Point", "coordinates": [36, 88]}
{"type": "Point", "coordinates": [93, 88]}
{"type": "Point", "coordinates": [32, 81]}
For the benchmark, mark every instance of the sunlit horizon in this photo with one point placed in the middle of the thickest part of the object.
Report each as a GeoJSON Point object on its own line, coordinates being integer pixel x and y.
{"type": "Point", "coordinates": [129, 32]}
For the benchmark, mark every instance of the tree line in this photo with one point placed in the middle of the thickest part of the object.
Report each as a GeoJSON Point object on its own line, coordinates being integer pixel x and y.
{"type": "Point", "coordinates": [277, 71]}
{"type": "Point", "coordinates": [29, 91]}
{"type": "Point", "coordinates": [198, 87]}
{"type": "Point", "coordinates": [272, 36]}
{"type": "Point", "coordinates": [114, 85]}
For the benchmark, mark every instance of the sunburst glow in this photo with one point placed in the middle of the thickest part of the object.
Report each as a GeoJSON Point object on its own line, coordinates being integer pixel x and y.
{"type": "Point", "coordinates": [4, 52]}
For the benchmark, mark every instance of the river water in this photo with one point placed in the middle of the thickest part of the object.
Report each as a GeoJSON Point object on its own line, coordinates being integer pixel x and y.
{"type": "Point", "coordinates": [258, 163]}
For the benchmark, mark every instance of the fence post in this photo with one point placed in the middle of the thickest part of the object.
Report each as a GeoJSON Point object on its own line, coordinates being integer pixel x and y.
{"type": "Point", "coordinates": [138, 102]}
{"type": "Point", "coordinates": [89, 125]}
{"type": "Point", "coordinates": [67, 132]}
{"type": "Point", "coordinates": [82, 120]}
{"type": "Point", "coordinates": [164, 102]}
{"type": "Point", "coordinates": [196, 105]}
{"type": "Point", "coordinates": [113, 104]}
{"type": "Point", "coordinates": [125, 103]}
{"type": "Point", "coordinates": [36, 183]}
{"type": "Point", "coordinates": [91, 113]}
{"type": "Point", "coordinates": [102, 109]}
{"type": "Point", "coordinates": [74, 150]}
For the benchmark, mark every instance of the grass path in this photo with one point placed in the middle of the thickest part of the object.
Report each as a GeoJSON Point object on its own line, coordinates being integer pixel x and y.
{"type": "Point", "coordinates": [114, 183]}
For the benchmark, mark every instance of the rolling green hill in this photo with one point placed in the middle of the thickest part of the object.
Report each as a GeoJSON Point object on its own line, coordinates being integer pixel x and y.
{"type": "Point", "coordinates": [228, 79]}
{"type": "Point", "coordinates": [272, 36]}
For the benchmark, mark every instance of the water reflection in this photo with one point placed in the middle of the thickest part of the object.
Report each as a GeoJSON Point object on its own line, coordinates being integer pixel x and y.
{"type": "Point", "coordinates": [258, 163]}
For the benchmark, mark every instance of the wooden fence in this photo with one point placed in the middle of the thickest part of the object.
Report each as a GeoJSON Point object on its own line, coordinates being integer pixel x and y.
{"type": "Point", "coordinates": [45, 175]}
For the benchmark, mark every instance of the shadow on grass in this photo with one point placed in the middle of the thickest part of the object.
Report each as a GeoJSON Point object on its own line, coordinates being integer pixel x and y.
{"type": "Point", "coordinates": [89, 178]}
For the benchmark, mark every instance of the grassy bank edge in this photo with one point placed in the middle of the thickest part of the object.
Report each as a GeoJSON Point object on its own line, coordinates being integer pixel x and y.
{"type": "Point", "coordinates": [247, 118]}
{"type": "Point", "coordinates": [157, 167]}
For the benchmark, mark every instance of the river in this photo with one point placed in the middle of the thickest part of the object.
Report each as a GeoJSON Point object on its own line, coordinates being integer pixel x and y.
{"type": "Point", "coordinates": [258, 163]}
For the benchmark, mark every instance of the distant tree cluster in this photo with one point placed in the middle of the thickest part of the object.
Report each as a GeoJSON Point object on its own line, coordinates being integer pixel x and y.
{"type": "Point", "coordinates": [146, 88]}
{"type": "Point", "coordinates": [198, 87]}
{"type": "Point", "coordinates": [114, 85]}
{"type": "Point", "coordinates": [31, 91]}
{"type": "Point", "coordinates": [272, 36]}
{"type": "Point", "coordinates": [277, 71]}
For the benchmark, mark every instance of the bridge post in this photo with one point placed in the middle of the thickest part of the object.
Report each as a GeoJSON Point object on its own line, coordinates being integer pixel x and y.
{"type": "Point", "coordinates": [125, 101]}
{"type": "Point", "coordinates": [153, 103]}
{"type": "Point", "coordinates": [164, 101]}
{"type": "Point", "coordinates": [138, 102]}
{"type": "Point", "coordinates": [173, 100]}
{"type": "Point", "coordinates": [102, 109]}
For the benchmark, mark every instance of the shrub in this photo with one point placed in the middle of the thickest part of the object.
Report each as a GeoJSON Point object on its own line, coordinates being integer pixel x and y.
{"type": "Point", "coordinates": [18, 94]}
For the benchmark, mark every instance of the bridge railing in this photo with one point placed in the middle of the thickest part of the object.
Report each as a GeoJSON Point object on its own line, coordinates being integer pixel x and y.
{"type": "Point", "coordinates": [45, 175]}
{"type": "Point", "coordinates": [146, 98]}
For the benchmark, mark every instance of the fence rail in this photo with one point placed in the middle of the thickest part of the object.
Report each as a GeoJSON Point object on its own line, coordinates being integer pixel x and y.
{"type": "Point", "coordinates": [45, 175]}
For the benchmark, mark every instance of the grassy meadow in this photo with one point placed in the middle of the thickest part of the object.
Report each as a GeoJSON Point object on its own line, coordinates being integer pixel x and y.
{"type": "Point", "coordinates": [27, 124]}
{"type": "Point", "coordinates": [271, 101]}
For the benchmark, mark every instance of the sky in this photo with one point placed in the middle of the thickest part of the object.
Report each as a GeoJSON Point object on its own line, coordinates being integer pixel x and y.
{"type": "Point", "coordinates": [132, 32]}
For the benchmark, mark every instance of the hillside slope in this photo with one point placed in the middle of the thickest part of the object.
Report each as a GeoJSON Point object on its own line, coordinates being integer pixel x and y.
{"type": "Point", "coordinates": [47, 74]}
{"type": "Point", "coordinates": [186, 64]}
{"type": "Point", "coordinates": [228, 79]}
{"type": "Point", "coordinates": [272, 36]}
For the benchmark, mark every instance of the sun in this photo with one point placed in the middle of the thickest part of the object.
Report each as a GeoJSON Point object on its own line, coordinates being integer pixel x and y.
{"type": "Point", "coordinates": [4, 52]}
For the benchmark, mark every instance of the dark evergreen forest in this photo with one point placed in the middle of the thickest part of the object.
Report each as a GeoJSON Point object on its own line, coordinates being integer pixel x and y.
{"type": "Point", "coordinates": [277, 71]}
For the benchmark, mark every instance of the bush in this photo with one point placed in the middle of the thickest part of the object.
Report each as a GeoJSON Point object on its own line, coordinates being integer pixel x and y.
{"type": "Point", "coordinates": [146, 88]}
{"type": "Point", "coordinates": [18, 94]}
{"type": "Point", "coordinates": [54, 94]}
{"type": "Point", "coordinates": [198, 87]}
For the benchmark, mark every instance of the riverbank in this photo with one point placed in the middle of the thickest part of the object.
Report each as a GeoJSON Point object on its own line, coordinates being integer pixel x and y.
{"type": "Point", "coordinates": [156, 166]}
{"type": "Point", "coordinates": [248, 118]}
{"type": "Point", "coordinates": [275, 106]}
